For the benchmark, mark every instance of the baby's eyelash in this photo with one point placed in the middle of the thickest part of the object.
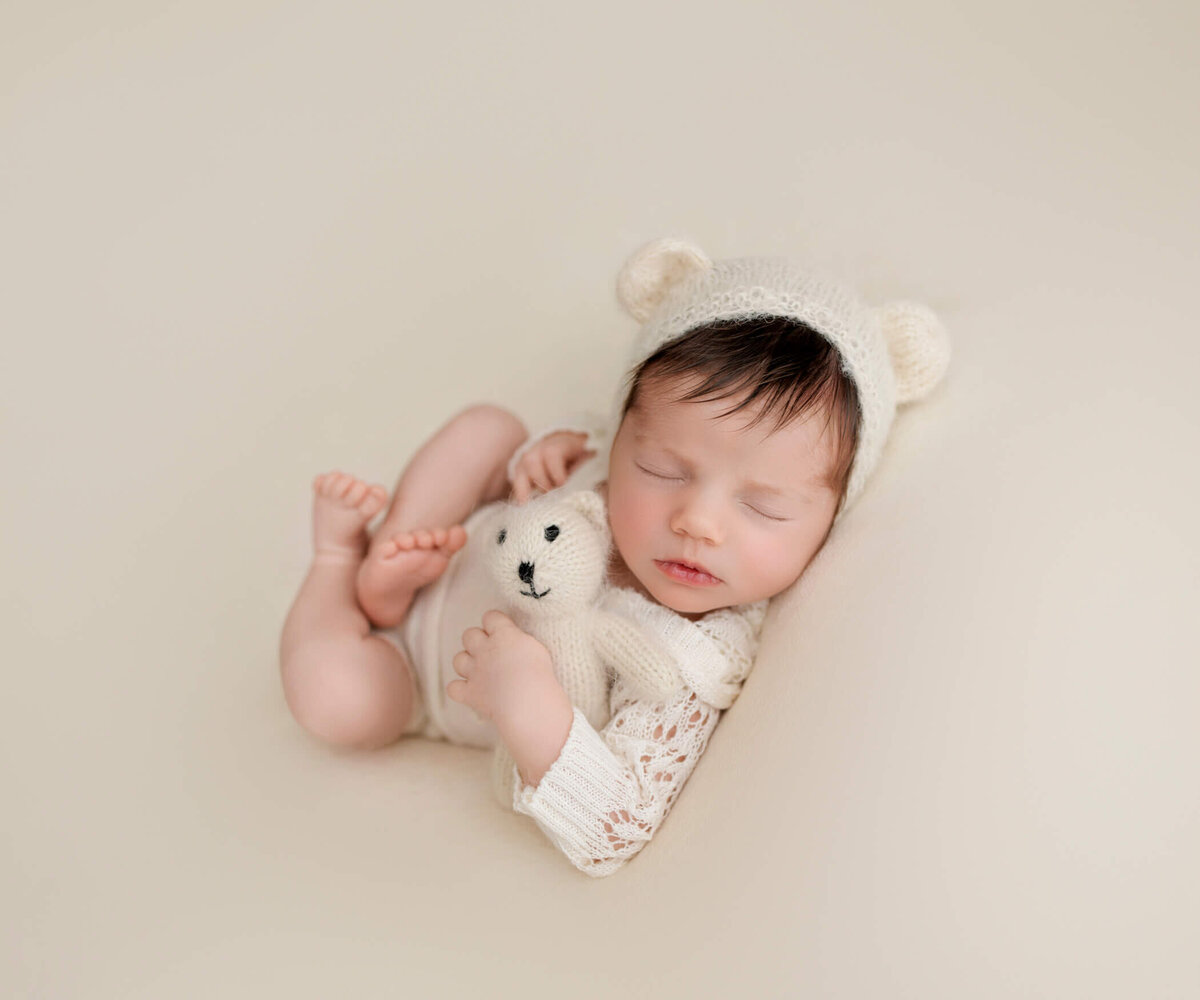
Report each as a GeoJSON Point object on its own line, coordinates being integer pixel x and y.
{"type": "Point", "coordinates": [659, 475]}
{"type": "Point", "coordinates": [769, 517]}
{"type": "Point", "coordinates": [676, 478]}
{"type": "Point", "coordinates": [656, 475]}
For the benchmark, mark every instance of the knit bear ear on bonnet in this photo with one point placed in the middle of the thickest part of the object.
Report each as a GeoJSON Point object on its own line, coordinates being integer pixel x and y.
{"type": "Point", "coordinates": [918, 346]}
{"type": "Point", "coordinates": [895, 353]}
{"type": "Point", "coordinates": [651, 272]}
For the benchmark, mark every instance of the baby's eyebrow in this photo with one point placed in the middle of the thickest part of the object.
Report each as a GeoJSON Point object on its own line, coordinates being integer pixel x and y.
{"type": "Point", "coordinates": [774, 491]}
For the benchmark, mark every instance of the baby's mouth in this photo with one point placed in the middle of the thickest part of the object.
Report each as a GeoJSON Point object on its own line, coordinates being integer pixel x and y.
{"type": "Point", "coordinates": [687, 572]}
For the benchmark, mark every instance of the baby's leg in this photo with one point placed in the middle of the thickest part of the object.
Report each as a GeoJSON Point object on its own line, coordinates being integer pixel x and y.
{"type": "Point", "coordinates": [343, 684]}
{"type": "Point", "coordinates": [461, 467]}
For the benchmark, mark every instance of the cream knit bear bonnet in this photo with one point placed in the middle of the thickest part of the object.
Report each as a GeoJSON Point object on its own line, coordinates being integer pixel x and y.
{"type": "Point", "coordinates": [895, 353]}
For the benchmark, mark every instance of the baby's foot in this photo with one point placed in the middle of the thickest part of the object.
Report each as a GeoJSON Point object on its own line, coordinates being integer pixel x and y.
{"type": "Point", "coordinates": [342, 506]}
{"type": "Point", "coordinates": [399, 565]}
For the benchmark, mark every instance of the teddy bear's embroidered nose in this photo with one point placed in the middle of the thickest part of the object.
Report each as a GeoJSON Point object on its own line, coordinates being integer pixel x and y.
{"type": "Point", "coordinates": [525, 572]}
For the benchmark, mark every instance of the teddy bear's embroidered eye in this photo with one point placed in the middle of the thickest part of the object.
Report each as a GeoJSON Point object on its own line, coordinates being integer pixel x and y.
{"type": "Point", "coordinates": [503, 535]}
{"type": "Point", "coordinates": [552, 532]}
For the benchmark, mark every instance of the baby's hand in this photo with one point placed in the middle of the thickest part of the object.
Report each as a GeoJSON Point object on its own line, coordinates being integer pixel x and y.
{"type": "Point", "coordinates": [547, 464]}
{"type": "Point", "coordinates": [506, 675]}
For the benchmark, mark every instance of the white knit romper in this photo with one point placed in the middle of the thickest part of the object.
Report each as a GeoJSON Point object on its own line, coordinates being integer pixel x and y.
{"type": "Point", "coordinates": [432, 634]}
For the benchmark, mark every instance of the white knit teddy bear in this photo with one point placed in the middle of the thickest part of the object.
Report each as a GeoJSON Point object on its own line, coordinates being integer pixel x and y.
{"type": "Point", "coordinates": [549, 557]}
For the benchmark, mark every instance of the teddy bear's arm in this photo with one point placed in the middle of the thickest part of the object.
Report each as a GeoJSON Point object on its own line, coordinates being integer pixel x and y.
{"type": "Point", "coordinates": [646, 665]}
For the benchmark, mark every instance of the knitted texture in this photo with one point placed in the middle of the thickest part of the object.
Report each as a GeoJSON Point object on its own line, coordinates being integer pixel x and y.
{"type": "Point", "coordinates": [893, 354]}
{"type": "Point", "coordinates": [612, 785]}
{"type": "Point", "coordinates": [919, 348]}
{"type": "Point", "coordinates": [709, 651]}
{"type": "Point", "coordinates": [549, 559]}
{"type": "Point", "coordinates": [608, 792]}
{"type": "Point", "coordinates": [647, 276]}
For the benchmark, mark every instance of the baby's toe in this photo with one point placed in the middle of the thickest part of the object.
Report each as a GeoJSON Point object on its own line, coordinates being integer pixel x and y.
{"type": "Point", "coordinates": [373, 502]}
{"type": "Point", "coordinates": [333, 483]}
{"type": "Point", "coordinates": [402, 542]}
{"type": "Point", "coordinates": [326, 483]}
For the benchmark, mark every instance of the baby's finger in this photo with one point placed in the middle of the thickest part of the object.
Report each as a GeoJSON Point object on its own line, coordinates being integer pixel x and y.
{"type": "Point", "coordinates": [473, 638]}
{"type": "Point", "coordinates": [558, 469]}
{"type": "Point", "coordinates": [539, 476]}
{"type": "Point", "coordinates": [462, 663]}
{"type": "Point", "coordinates": [493, 620]}
{"type": "Point", "coordinates": [528, 486]}
{"type": "Point", "coordinates": [457, 691]}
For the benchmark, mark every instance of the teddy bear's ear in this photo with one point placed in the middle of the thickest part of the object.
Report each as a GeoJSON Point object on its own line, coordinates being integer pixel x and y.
{"type": "Point", "coordinates": [653, 270]}
{"type": "Point", "coordinates": [590, 504]}
{"type": "Point", "coordinates": [918, 346]}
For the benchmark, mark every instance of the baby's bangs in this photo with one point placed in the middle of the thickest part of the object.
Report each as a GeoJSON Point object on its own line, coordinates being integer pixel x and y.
{"type": "Point", "coordinates": [780, 367]}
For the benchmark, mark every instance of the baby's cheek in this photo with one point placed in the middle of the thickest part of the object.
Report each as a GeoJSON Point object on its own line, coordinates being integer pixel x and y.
{"type": "Point", "coordinates": [771, 564]}
{"type": "Point", "coordinates": [627, 520]}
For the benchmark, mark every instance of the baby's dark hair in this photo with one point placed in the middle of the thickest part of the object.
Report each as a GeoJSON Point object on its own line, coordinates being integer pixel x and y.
{"type": "Point", "coordinates": [783, 362]}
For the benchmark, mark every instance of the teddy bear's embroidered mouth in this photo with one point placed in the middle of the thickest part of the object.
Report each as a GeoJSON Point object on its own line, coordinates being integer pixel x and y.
{"type": "Point", "coordinates": [533, 593]}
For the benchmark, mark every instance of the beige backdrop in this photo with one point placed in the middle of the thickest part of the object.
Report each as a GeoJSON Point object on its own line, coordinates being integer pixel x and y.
{"type": "Point", "coordinates": [241, 243]}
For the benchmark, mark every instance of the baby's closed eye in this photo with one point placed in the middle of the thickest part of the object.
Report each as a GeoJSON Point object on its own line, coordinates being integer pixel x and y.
{"type": "Point", "coordinates": [763, 513]}
{"type": "Point", "coordinates": [657, 475]}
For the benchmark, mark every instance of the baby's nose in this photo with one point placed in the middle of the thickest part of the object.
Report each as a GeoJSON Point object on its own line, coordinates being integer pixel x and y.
{"type": "Point", "coordinates": [697, 522]}
{"type": "Point", "coordinates": [525, 572]}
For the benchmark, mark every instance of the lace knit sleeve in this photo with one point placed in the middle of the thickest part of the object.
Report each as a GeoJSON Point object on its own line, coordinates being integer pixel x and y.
{"type": "Point", "coordinates": [608, 792]}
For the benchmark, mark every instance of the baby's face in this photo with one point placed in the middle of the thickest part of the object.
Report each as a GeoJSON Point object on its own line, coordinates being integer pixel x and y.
{"type": "Point", "coordinates": [748, 506]}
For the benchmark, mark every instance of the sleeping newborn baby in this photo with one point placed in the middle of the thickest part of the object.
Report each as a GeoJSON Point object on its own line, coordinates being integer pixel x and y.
{"type": "Point", "coordinates": [757, 401]}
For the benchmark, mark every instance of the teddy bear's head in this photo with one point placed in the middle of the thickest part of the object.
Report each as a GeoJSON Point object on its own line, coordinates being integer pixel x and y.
{"type": "Point", "coordinates": [549, 556]}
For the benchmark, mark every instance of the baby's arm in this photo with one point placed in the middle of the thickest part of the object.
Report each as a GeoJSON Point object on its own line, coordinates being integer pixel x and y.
{"type": "Point", "coordinates": [547, 459]}
{"type": "Point", "coordinates": [548, 464]}
{"type": "Point", "coordinates": [606, 794]}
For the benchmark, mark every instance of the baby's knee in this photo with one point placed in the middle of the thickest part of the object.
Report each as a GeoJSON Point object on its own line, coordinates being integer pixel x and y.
{"type": "Point", "coordinates": [494, 423]}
